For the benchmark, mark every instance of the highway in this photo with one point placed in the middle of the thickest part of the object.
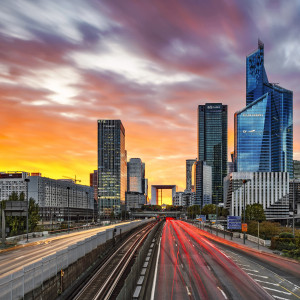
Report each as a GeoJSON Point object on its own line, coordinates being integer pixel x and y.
{"type": "Point", "coordinates": [16, 258]}
{"type": "Point", "coordinates": [191, 266]}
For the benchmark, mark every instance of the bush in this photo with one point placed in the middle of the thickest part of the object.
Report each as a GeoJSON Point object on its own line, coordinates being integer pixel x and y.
{"type": "Point", "coordinates": [286, 235]}
{"type": "Point", "coordinates": [281, 244]}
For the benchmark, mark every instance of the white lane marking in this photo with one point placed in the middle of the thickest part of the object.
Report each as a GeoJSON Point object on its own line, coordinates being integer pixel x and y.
{"type": "Point", "coordinates": [182, 266]}
{"type": "Point", "coordinates": [244, 265]}
{"type": "Point", "coordinates": [257, 275]}
{"type": "Point", "coordinates": [188, 291]}
{"type": "Point", "coordinates": [19, 257]}
{"type": "Point", "coordinates": [222, 293]}
{"type": "Point", "coordinates": [276, 284]}
{"type": "Point", "coordinates": [250, 270]}
{"type": "Point", "coordinates": [278, 291]}
{"type": "Point", "coordinates": [280, 298]}
{"type": "Point", "coordinates": [208, 267]}
{"type": "Point", "coordinates": [155, 273]}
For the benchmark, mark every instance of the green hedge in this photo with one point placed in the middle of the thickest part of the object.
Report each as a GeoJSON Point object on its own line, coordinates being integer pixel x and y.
{"type": "Point", "coordinates": [281, 244]}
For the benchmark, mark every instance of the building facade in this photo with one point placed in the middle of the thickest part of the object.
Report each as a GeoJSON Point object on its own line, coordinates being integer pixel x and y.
{"type": "Point", "coordinates": [112, 167]}
{"type": "Point", "coordinates": [296, 169]}
{"type": "Point", "coordinates": [212, 144]}
{"type": "Point", "coordinates": [183, 199]}
{"type": "Point", "coordinates": [271, 189]}
{"type": "Point", "coordinates": [12, 182]}
{"type": "Point", "coordinates": [263, 130]}
{"type": "Point", "coordinates": [188, 174]}
{"type": "Point", "coordinates": [134, 200]}
{"type": "Point", "coordinates": [56, 198]}
{"type": "Point", "coordinates": [135, 175]}
{"type": "Point", "coordinates": [202, 181]}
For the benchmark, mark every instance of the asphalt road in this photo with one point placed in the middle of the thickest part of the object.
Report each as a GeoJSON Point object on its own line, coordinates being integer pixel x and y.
{"type": "Point", "coordinates": [15, 259]}
{"type": "Point", "coordinates": [190, 266]}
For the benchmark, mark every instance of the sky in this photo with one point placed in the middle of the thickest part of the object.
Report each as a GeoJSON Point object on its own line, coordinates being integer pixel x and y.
{"type": "Point", "coordinates": [66, 64]}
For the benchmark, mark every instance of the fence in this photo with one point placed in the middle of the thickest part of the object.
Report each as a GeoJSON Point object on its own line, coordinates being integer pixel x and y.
{"type": "Point", "coordinates": [19, 283]}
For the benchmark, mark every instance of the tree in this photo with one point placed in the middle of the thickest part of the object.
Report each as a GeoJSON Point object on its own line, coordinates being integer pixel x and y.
{"type": "Point", "coordinates": [193, 211]}
{"type": "Point", "coordinates": [33, 215]}
{"type": "Point", "coordinates": [254, 212]}
{"type": "Point", "coordinates": [209, 209]}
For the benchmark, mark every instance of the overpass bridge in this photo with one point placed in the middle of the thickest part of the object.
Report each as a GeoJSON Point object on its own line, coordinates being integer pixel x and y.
{"type": "Point", "coordinates": [149, 214]}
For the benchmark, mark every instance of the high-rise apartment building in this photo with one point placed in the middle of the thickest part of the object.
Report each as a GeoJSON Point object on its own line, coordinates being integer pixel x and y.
{"type": "Point", "coordinates": [189, 168]}
{"type": "Point", "coordinates": [112, 166]}
{"type": "Point", "coordinates": [263, 135]}
{"type": "Point", "coordinates": [212, 144]}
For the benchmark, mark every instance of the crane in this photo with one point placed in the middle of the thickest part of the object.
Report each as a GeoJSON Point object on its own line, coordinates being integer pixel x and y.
{"type": "Point", "coordinates": [73, 179]}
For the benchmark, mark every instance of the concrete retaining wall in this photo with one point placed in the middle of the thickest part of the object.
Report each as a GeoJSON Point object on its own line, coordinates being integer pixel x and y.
{"type": "Point", "coordinates": [33, 281]}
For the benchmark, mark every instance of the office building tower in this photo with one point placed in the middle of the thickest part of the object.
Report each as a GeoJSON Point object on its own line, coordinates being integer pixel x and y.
{"type": "Point", "coordinates": [112, 167]}
{"type": "Point", "coordinates": [202, 181]}
{"type": "Point", "coordinates": [263, 134]}
{"type": "Point", "coordinates": [212, 144]}
{"type": "Point", "coordinates": [189, 167]}
{"type": "Point", "coordinates": [135, 175]}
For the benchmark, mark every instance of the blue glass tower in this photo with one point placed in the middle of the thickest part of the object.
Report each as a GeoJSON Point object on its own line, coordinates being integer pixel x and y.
{"type": "Point", "coordinates": [263, 138]}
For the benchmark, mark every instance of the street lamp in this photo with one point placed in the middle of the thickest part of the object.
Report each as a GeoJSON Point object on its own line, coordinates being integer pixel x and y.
{"type": "Point", "coordinates": [68, 189]}
{"type": "Point", "coordinates": [293, 207]}
{"type": "Point", "coordinates": [244, 206]}
{"type": "Point", "coordinates": [87, 201]}
{"type": "Point", "coordinates": [27, 180]}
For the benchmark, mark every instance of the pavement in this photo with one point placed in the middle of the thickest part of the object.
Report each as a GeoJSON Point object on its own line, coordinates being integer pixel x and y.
{"type": "Point", "coordinates": [238, 240]}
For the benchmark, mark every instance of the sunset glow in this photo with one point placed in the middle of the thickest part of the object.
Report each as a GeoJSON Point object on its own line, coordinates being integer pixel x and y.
{"type": "Point", "coordinates": [66, 64]}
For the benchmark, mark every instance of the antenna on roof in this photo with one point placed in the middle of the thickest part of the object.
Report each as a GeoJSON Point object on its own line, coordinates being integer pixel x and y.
{"type": "Point", "coordinates": [260, 44]}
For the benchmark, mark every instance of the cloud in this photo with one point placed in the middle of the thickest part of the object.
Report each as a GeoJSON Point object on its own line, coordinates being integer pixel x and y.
{"type": "Point", "coordinates": [65, 65]}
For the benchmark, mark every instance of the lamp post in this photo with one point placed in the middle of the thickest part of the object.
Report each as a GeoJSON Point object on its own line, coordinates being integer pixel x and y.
{"type": "Point", "coordinates": [87, 202]}
{"type": "Point", "coordinates": [27, 180]}
{"type": "Point", "coordinates": [68, 189]}
{"type": "Point", "coordinates": [244, 207]}
{"type": "Point", "coordinates": [293, 207]}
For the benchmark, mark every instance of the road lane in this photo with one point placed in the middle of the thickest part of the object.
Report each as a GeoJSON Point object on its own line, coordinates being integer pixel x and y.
{"type": "Point", "coordinates": [279, 276]}
{"type": "Point", "coordinates": [190, 267]}
{"type": "Point", "coordinates": [16, 259]}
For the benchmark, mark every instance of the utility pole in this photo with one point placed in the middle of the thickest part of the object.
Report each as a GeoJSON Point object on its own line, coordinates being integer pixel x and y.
{"type": "Point", "coordinates": [68, 189]}
{"type": "Point", "coordinates": [244, 207]}
{"type": "Point", "coordinates": [27, 213]}
{"type": "Point", "coordinates": [293, 207]}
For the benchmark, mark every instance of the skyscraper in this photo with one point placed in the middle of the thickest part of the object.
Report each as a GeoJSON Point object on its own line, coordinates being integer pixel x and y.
{"type": "Point", "coordinates": [112, 166]}
{"type": "Point", "coordinates": [189, 167]}
{"type": "Point", "coordinates": [202, 180]}
{"type": "Point", "coordinates": [264, 128]}
{"type": "Point", "coordinates": [135, 175]}
{"type": "Point", "coordinates": [212, 144]}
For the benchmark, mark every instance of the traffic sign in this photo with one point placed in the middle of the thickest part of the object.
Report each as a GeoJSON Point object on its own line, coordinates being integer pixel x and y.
{"type": "Point", "coordinates": [212, 216]}
{"type": "Point", "coordinates": [244, 227]}
{"type": "Point", "coordinates": [233, 222]}
{"type": "Point", "coordinates": [203, 218]}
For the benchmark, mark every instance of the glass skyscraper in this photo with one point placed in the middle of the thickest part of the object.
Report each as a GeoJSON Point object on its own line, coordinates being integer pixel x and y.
{"type": "Point", "coordinates": [264, 128]}
{"type": "Point", "coordinates": [112, 166]}
{"type": "Point", "coordinates": [212, 144]}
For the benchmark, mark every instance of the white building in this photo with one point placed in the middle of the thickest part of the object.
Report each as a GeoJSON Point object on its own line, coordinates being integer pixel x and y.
{"type": "Point", "coordinates": [56, 198]}
{"type": "Point", "coordinates": [271, 189]}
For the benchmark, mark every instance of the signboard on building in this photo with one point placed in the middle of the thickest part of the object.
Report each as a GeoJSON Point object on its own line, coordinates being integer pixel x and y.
{"type": "Point", "coordinates": [234, 222]}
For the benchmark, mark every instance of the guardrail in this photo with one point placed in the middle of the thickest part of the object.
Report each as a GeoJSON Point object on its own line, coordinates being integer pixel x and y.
{"type": "Point", "coordinates": [21, 282]}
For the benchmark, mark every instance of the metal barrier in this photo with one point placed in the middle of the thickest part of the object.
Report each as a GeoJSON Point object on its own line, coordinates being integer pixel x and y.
{"type": "Point", "coordinates": [19, 283]}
